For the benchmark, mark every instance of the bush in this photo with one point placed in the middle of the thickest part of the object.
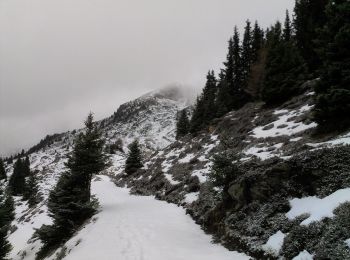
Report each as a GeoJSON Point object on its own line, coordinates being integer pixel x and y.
{"type": "Point", "coordinates": [223, 171]}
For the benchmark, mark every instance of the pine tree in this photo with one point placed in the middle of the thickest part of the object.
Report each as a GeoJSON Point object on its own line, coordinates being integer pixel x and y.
{"type": "Point", "coordinates": [26, 166]}
{"type": "Point", "coordinates": [333, 93]}
{"type": "Point", "coordinates": [285, 69]}
{"type": "Point", "coordinates": [6, 216]}
{"type": "Point", "coordinates": [70, 203]}
{"type": "Point", "coordinates": [205, 108]}
{"type": "Point", "coordinates": [224, 99]}
{"type": "Point", "coordinates": [183, 124]}
{"type": "Point", "coordinates": [32, 190]}
{"type": "Point", "coordinates": [233, 71]}
{"type": "Point", "coordinates": [134, 161]}
{"type": "Point", "coordinates": [257, 41]}
{"type": "Point", "coordinates": [17, 180]}
{"type": "Point", "coordinates": [3, 175]}
{"type": "Point", "coordinates": [287, 31]}
{"type": "Point", "coordinates": [309, 16]}
{"type": "Point", "coordinates": [247, 52]}
{"type": "Point", "coordinates": [240, 69]}
{"type": "Point", "coordinates": [88, 158]}
{"type": "Point", "coordinates": [235, 85]}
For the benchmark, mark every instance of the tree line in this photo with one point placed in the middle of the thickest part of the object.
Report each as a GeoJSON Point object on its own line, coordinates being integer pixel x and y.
{"type": "Point", "coordinates": [270, 65]}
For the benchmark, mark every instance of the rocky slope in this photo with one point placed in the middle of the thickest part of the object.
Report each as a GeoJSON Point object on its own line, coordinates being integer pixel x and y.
{"type": "Point", "coordinates": [278, 157]}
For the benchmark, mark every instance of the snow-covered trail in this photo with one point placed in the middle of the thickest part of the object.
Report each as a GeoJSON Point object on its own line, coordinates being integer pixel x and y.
{"type": "Point", "coordinates": [142, 228]}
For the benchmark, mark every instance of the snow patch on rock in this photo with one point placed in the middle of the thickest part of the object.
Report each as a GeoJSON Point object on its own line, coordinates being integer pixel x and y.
{"type": "Point", "coordinates": [317, 208]}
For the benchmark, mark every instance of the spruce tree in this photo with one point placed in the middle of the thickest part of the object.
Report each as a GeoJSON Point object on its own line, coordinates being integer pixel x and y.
{"type": "Point", "coordinates": [236, 84]}
{"type": "Point", "coordinates": [32, 190]}
{"type": "Point", "coordinates": [233, 72]}
{"type": "Point", "coordinates": [182, 125]}
{"type": "Point", "coordinates": [224, 98]}
{"type": "Point", "coordinates": [333, 92]}
{"type": "Point", "coordinates": [26, 166]}
{"type": "Point", "coordinates": [257, 41]}
{"type": "Point", "coordinates": [287, 30]}
{"type": "Point", "coordinates": [6, 216]}
{"type": "Point", "coordinates": [3, 175]}
{"type": "Point", "coordinates": [17, 179]}
{"type": "Point", "coordinates": [197, 115]}
{"type": "Point", "coordinates": [247, 54]}
{"type": "Point", "coordinates": [240, 70]}
{"type": "Point", "coordinates": [205, 108]}
{"type": "Point", "coordinates": [285, 69]}
{"type": "Point", "coordinates": [134, 160]}
{"type": "Point", "coordinates": [309, 16]}
{"type": "Point", "coordinates": [70, 202]}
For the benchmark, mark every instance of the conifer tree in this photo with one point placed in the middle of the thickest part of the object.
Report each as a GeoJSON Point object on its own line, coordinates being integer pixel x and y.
{"type": "Point", "coordinates": [285, 68]}
{"type": "Point", "coordinates": [26, 166]}
{"type": "Point", "coordinates": [205, 108]}
{"type": "Point", "coordinates": [6, 216]}
{"type": "Point", "coordinates": [309, 16]}
{"type": "Point", "coordinates": [70, 202]}
{"type": "Point", "coordinates": [17, 180]}
{"type": "Point", "coordinates": [332, 108]}
{"type": "Point", "coordinates": [183, 124]}
{"type": "Point", "coordinates": [235, 85]}
{"type": "Point", "coordinates": [3, 175]}
{"type": "Point", "coordinates": [134, 160]}
{"type": "Point", "coordinates": [287, 30]}
{"type": "Point", "coordinates": [32, 190]}
{"type": "Point", "coordinates": [247, 55]}
{"type": "Point", "coordinates": [224, 98]}
{"type": "Point", "coordinates": [240, 70]}
{"type": "Point", "coordinates": [257, 41]}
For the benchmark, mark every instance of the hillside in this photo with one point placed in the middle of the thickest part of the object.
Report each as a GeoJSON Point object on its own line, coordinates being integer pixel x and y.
{"type": "Point", "coordinates": [278, 158]}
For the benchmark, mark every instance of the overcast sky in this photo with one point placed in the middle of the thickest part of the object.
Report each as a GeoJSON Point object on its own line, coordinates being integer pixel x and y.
{"type": "Point", "coordinates": [59, 59]}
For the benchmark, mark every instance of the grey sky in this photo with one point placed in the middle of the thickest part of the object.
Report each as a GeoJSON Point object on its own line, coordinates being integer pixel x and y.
{"type": "Point", "coordinates": [60, 59]}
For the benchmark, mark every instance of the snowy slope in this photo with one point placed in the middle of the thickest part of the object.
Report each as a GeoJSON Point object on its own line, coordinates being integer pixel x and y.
{"type": "Point", "coordinates": [137, 227]}
{"type": "Point", "coordinates": [130, 227]}
{"type": "Point", "coordinates": [150, 118]}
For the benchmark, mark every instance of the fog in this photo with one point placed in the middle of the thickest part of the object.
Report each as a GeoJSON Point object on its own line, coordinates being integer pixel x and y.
{"type": "Point", "coordinates": [60, 59]}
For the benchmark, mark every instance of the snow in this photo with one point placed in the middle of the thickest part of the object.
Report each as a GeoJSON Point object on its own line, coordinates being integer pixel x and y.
{"type": "Point", "coordinates": [304, 255]}
{"type": "Point", "coordinates": [274, 243]}
{"type": "Point", "coordinates": [317, 208]}
{"type": "Point", "coordinates": [191, 197]}
{"type": "Point", "coordinates": [280, 111]}
{"type": "Point", "coordinates": [187, 158]}
{"type": "Point", "coordinates": [170, 179]}
{"type": "Point", "coordinates": [290, 127]}
{"type": "Point", "coordinates": [166, 165]}
{"type": "Point", "coordinates": [203, 173]}
{"type": "Point", "coordinates": [296, 139]}
{"type": "Point", "coordinates": [264, 152]}
{"type": "Point", "coordinates": [136, 227]}
{"type": "Point", "coordinates": [347, 242]}
{"type": "Point", "coordinates": [214, 137]}
{"type": "Point", "coordinates": [340, 140]}
{"type": "Point", "coordinates": [25, 229]}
